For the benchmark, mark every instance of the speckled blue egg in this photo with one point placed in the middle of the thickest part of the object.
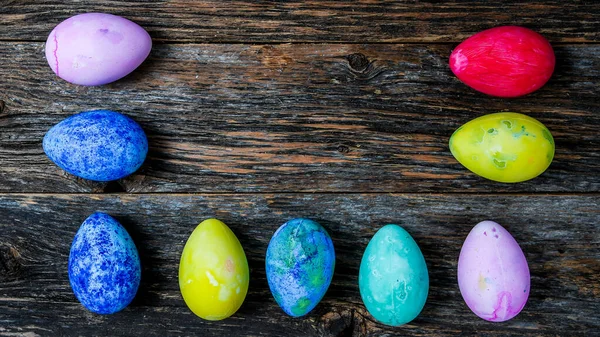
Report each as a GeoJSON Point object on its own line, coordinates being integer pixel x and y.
{"type": "Point", "coordinates": [104, 265]}
{"type": "Point", "coordinates": [100, 145]}
{"type": "Point", "coordinates": [299, 264]}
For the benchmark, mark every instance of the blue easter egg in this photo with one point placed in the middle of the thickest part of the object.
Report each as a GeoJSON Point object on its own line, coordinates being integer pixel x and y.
{"type": "Point", "coordinates": [100, 145]}
{"type": "Point", "coordinates": [393, 277]}
{"type": "Point", "coordinates": [104, 265]}
{"type": "Point", "coordinates": [299, 265]}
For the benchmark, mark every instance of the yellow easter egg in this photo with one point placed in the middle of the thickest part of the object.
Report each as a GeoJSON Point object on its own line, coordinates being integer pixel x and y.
{"type": "Point", "coordinates": [213, 271]}
{"type": "Point", "coordinates": [507, 147]}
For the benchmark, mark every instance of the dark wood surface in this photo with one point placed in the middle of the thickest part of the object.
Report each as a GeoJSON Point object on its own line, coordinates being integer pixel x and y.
{"type": "Point", "coordinates": [262, 111]}
{"type": "Point", "coordinates": [296, 117]}
{"type": "Point", "coordinates": [371, 21]}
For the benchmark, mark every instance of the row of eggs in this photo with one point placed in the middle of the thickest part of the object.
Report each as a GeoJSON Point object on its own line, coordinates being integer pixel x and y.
{"type": "Point", "coordinates": [104, 145]}
{"type": "Point", "coordinates": [493, 275]}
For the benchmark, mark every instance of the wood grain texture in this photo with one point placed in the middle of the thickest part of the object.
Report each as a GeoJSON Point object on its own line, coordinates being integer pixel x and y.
{"type": "Point", "coordinates": [291, 118]}
{"type": "Point", "coordinates": [263, 111]}
{"type": "Point", "coordinates": [558, 235]}
{"type": "Point", "coordinates": [313, 21]}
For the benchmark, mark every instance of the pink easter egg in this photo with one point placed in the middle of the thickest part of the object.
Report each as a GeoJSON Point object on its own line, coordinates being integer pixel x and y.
{"type": "Point", "coordinates": [507, 61]}
{"type": "Point", "coordinates": [95, 48]}
{"type": "Point", "coordinates": [493, 275]}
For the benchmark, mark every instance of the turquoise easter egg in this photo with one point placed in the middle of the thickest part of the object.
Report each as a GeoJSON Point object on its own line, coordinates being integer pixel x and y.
{"type": "Point", "coordinates": [393, 277]}
{"type": "Point", "coordinates": [299, 265]}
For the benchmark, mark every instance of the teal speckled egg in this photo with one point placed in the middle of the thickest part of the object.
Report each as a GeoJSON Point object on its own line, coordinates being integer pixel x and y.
{"type": "Point", "coordinates": [393, 277]}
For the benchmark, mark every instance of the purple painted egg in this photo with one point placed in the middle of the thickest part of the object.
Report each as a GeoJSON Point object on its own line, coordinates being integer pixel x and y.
{"type": "Point", "coordinates": [493, 274]}
{"type": "Point", "coordinates": [96, 48]}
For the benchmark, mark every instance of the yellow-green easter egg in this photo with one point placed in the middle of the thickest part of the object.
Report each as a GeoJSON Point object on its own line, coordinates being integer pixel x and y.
{"type": "Point", "coordinates": [507, 147]}
{"type": "Point", "coordinates": [213, 271]}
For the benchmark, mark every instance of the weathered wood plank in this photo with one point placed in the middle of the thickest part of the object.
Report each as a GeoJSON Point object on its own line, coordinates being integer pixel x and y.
{"type": "Point", "coordinates": [313, 21]}
{"type": "Point", "coordinates": [289, 118]}
{"type": "Point", "coordinates": [558, 235]}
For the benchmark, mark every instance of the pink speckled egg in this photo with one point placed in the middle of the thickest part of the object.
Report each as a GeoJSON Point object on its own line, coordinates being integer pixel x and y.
{"type": "Point", "coordinates": [96, 48]}
{"type": "Point", "coordinates": [493, 275]}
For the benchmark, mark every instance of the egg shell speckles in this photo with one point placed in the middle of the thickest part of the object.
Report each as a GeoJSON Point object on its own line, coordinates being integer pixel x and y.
{"type": "Point", "coordinates": [508, 61]}
{"type": "Point", "coordinates": [99, 145]}
{"type": "Point", "coordinates": [104, 265]}
{"type": "Point", "coordinates": [493, 274]}
{"type": "Point", "coordinates": [393, 277]}
{"type": "Point", "coordinates": [506, 147]}
{"type": "Point", "coordinates": [213, 271]}
{"type": "Point", "coordinates": [96, 48]}
{"type": "Point", "coordinates": [300, 262]}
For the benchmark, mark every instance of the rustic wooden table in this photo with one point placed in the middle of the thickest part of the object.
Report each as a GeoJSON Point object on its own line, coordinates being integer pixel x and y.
{"type": "Point", "coordinates": [262, 111]}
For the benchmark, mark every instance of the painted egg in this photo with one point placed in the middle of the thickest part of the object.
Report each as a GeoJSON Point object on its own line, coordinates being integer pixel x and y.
{"type": "Point", "coordinates": [393, 277]}
{"type": "Point", "coordinates": [493, 275]}
{"type": "Point", "coordinates": [506, 61]}
{"type": "Point", "coordinates": [104, 265]}
{"type": "Point", "coordinates": [299, 265]}
{"type": "Point", "coordinates": [213, 271]}
{"type": "Point", "coordinates": [506, 147]}
{"type": "Point", "coordinates": [99, 145]}
{"type": "Point", "coordinates": [96, 48]}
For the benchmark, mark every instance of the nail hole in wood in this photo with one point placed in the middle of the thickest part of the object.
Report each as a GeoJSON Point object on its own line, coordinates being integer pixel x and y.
{"type": "Point", "coordinates": [343, 149]}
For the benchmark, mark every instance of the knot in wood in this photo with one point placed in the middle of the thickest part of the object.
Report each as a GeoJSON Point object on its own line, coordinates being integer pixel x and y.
{"type": "Point", "coordinates": [2, 106]}
{"type": "Point", "coordinates": [342, 323]}
{"type": "Point", "coordinates": [10, 263]}
{"type": "Point", "coordinates": [358, 61]}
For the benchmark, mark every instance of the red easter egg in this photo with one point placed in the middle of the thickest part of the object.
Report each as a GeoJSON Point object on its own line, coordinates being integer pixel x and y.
{"type": "Point", "coordinates": [506, 61]}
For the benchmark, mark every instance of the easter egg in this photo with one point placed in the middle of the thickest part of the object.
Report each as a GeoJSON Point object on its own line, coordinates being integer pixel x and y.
{"type": "Point", "coordinates": [493, 275]}
{"type": "Point", "coordinates": [213, 271]}
{"type": "Point", "coordinates": [506, 61]}
{"type": "Point", "coordinates": [299, 265]}
{"type": "Point", "coordinates": [96, 48]}
{"type": "Point", "coordinates": [506, 147]}
{"type": "Point", "coordinates": [104, 265]}
{"type": "Point", "coordinates": [393, 277]}
{"type": "Point", "coordinates": [99, 145]}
